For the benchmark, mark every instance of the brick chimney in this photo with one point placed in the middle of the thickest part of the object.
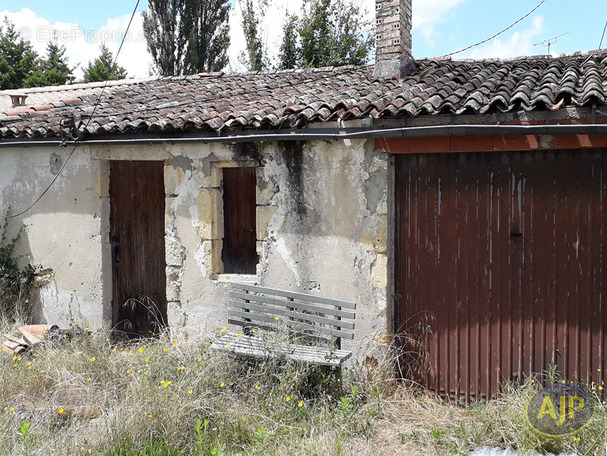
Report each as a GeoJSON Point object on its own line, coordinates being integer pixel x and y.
{"type": "Point", "coordinates": [393, 38]}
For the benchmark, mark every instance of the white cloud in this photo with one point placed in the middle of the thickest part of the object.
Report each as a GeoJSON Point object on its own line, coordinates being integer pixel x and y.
{"type": "Point", "coordinates": [82, 45]}
{"type": "Point", "coordinates": [427, 14]}
{"type": "Point", "coordinates": [519, 43]}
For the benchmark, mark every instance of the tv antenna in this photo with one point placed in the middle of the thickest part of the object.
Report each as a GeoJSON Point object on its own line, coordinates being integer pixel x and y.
{"type": "Point", "coordinates": [550, 41]}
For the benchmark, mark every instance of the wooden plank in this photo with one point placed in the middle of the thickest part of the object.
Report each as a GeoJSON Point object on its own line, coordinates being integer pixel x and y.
{"type": "Point", "coordinates": [273, 311]}
{"type": "Point", "coordinates": [300, 326]}
{"type": "Point", "coordinates": [293, 304]}
{"type": "Point", "coordinates": [257, 347]}
{"type": "Point", "coordinates": [137, 208]}
{"type": "Point", "coordinates": [239, 252]}
{"type": "Point", "coordinates": [294, 295]}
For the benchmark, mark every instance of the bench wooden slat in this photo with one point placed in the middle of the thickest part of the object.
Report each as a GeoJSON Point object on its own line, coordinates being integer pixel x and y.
{"type": "Point", "coordinates": [301, 296]}
{"type": "Point", "coordinates": [256, 347]}
{"type": "Point", "coordinates": [273, 311]}
{"type": "Point", "coordinates": [321, 322]}
{"type": "Point", "coordinates": [315, 329]}
{"type": "Point", "coordinates": [293, 304]}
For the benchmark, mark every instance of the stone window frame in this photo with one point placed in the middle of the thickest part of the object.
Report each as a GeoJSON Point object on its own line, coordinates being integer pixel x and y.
{"type": "Point", "coordinates": [212, 234]}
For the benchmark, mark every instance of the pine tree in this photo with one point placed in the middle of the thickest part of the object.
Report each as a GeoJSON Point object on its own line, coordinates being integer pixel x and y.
{"type": "Point", "coordinates": [102, 68]}
{"type": "Point", "coordinates": [17, 57]}
{"type": "Point", "coordinates": [187, 36]}
{"type": "Point", "coordinates": [328, 33]}
{"type": "Point", "coordinates": [54, 70]}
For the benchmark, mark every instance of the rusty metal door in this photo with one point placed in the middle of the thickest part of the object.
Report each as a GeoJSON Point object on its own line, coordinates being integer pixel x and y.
{"type": "Point", "coordinates": [137, 202]}
{"type": "Point", "coordinates": [500, 265]}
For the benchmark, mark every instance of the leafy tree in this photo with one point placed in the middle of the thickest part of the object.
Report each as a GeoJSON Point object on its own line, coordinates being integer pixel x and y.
{"type": "Point", "coordinates": [252, 14]}
{"type": "Point", "coordinates": [54, 70]}
{"type": "Point", "coordinates": [187, 36]}
{"type": "Point", "coordinates": [17, 57]}
{"type": "Point", "coordinates": [288, 52]}
{"type": "Point", "coordinates": [329, 33]}
{"type": "Point", "coordinates": [103, 68]}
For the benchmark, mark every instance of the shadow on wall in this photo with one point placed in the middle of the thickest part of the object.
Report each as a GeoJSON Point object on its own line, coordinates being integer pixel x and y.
{"type": "Point", "coordinates": [19, 279]}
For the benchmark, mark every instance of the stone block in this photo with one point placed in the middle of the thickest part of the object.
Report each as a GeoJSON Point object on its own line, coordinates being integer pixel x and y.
{"type": "Point", "coordinates": [173, 284]}
{"type": "Point", "coordinates": [379, 274]}
{"type": "Point", "coordinates": [174, 251]}
{"type": "Point", "coordinates": [263, 217]}
{"type": "Point", "coordinates": [102, 182]}
{"type": "Point", "coordinates": [210, 213]}
{"type": "Point", "coordinates": [173, 178]}
{"type": "Point", "coordinates": [212, 256]}
{"type": "Point", "coordinates": [265, 191]}
{"type": "Point", "coordinates": [169, 214]}
{"type": "Point", "coordinates": [176, 316]}
{"type": "Point", "coordinates": [214, 179]}
{"type": "Point", "coordinates": [380, 243]}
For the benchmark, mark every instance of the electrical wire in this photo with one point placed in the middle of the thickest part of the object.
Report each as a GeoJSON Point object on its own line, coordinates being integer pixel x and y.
{"type": "Point", "coordinates": [98, 101]}
{"type": "Point", "coordinates": [498, 33]}
{"type": "Point", "coordinates": [605, 29]}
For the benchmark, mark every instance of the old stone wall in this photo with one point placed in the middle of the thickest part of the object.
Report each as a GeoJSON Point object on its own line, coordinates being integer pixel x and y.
{"type": "Point", "coordinates": [321, 215]}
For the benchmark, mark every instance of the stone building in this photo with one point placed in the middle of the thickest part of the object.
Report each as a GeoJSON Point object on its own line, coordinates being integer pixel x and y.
{"type": "Point", "coordinates": [461, 202]}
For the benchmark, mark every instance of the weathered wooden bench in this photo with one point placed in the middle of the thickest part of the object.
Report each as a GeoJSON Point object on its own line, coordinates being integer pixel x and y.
{"type": "Point", "coordinates": [279, 323]}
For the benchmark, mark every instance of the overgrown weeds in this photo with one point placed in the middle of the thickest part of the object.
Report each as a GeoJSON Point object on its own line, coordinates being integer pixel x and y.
{"type": "Point", "coordinates": [168, 395]}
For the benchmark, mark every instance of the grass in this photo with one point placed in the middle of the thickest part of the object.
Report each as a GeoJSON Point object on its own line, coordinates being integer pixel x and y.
{"type": "Point", "coordinates": [173, 396]}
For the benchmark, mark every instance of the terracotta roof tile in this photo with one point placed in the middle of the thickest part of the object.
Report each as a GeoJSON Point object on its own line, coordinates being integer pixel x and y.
{"type": "Point", "coordinates": [292, 99]}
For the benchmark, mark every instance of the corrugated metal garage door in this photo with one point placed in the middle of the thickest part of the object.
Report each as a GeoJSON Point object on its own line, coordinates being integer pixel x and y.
{"type": "Point", "coordinates": [500, 265]}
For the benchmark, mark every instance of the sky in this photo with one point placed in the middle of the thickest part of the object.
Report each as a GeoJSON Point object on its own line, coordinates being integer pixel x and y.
{"type": "Point", "coordinates": [439, 28]}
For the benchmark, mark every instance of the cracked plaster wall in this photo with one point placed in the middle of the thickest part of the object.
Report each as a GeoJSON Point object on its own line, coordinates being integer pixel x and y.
{"type": "Point", "coordinates": [321, 226]}
{"type": "Point", "coordinates": [65, 229]}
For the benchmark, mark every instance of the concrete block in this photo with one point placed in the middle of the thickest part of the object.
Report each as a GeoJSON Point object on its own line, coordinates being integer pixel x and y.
{"type": "Point", "coordinates": [263, 216]}
{"type": "Point", "coordinates": [210, 213]}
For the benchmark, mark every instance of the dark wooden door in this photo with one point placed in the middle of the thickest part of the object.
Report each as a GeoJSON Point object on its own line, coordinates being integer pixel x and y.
{"type": "Point", "coordinates": [137, 235]}
{"type": "Point", "coordinates": [239, 252]}
{"type": "Point", "coordinates": [501, 266]}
